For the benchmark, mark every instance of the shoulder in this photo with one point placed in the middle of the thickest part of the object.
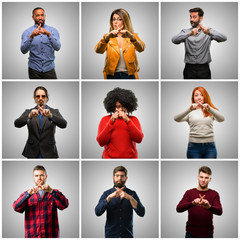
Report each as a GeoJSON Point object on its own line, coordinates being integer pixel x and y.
{"type": "Point", "coordinates": [50, 28]}
{"type": "Point", "coordinates": [131, 192]}
{"type": "Point", "coordinates": [106, 118]}
{"type": "Point", "coordinates": [110, 190]}
{"type": "Point", "coordinates": [133, 118]}
{"type": "Point", "coordinates": [213, 192]}
{"type": "Point", "coordinates": [30, 29]}
{"type": "Point", "coordinates": [190, 191]}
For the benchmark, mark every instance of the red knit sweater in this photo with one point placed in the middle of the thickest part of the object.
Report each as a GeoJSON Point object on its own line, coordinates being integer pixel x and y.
{"type": "Point", "coordinates": [200, 219]}
{"type": "Point", "coordinates": [119, 138]}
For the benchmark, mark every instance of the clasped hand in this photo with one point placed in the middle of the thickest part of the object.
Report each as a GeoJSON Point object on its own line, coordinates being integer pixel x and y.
{"type": "Point", "coordinates": [201, 202]}
{"type": "Point", "coordinates": [43, 111]}
{"type": "Point", "coordinates": [119, 193]}
{"type": "Point", "coordinates": [44, 187]}
{"type": "Point", "coordinates": [124, 33]}
{"type": "Point", "coordinates": [38, 31]}
{"type": "Point", "coordinates": [204, 106]}
{"type": "Point", "coordinates": [196, 30]}
{"type": "Point", "coordinates": [119, 114]}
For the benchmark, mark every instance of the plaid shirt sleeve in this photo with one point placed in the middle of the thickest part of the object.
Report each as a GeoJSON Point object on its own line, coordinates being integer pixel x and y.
{"type": "Point", "coordinates": [21, 203]}
{"type": "Point", "coordinates": [60, 200]}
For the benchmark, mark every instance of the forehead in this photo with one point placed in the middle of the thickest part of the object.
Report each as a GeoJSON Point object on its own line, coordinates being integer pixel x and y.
{"type": "Point", "coordinates": [202, 174]}
{"type": "Point", "coordinates": [40, 92]}
{"type": "Point", "coordinates": [38, 172]}
{"type": "Point", "coordinates": [194, 14]}
{"type": "Point", "coordinates": [120, 173]}
{"type": "Point", "coordinates": [38, 12]}
{"type": "Point", "coordinates": [116, 15]}
{"type": "Point", "coordinates": [197, 92]}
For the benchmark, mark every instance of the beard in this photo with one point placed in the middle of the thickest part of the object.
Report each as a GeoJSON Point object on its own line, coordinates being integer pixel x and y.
{"type": "Point", "coordinates": [203, 186]}
{"type": "Point", "coordinates": [194, 24]}
{"type": "Point", "coordinates": [42, 22]}
{"type": "Point", "coordinates": [119, 184]}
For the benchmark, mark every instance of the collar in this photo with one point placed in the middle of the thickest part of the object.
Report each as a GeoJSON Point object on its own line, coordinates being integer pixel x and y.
{"type": "Point", "coordinates": [47, 107]}
{"type": "Point", "coordinates": [125, 188]}
{"type": "Point", "coordinates": [35, 26]}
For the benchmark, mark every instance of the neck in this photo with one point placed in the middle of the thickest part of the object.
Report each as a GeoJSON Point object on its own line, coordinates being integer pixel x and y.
{"type": "Point", "coordinates": [202, 189]}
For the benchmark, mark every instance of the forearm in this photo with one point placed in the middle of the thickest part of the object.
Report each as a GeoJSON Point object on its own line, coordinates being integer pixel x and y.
{"type": "Point", "coordinates": [25, 44]}
{"type": "Point", "coordinates": [101, 46]}
{"type": "Point", "coordinates": [104, 132]}
{"type": "Point", "coordinates": [138, 44]}
{"type": "Point", "coordinates": [102, 206]}
{"type": "Point", "coordinates": [59, 120]}
{"type": "Point", "coordinates": [216, 114]}
{"type": "Point", "coordinates": [219, 37]}
{"type": "Point", "coordinates": [20, 204]}
{"type": "Point", "coordinates": [182, 207]}
{"type": "Point", "coordinates": [22, 120]}
{"type": "Point", "coordinates": [60, 199]}
{"type": "Point", "coordinates": [182, 116]}
{"type": "Point", "coordinates": [181, 36]}
{"type": "Point", "coordinates": [55, 41]}
{"type": "Point", "coordinates": [135, 131]}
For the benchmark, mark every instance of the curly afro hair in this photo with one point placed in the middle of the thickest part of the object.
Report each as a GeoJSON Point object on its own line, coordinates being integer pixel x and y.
{"type": "Point", "coordinates": [126, 97]}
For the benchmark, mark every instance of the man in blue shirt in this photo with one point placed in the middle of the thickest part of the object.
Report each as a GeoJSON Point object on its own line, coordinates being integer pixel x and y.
{"type": "Point", "coordinates": [41, 41]}
{"type": "Point", "coordinates": [119, 202]}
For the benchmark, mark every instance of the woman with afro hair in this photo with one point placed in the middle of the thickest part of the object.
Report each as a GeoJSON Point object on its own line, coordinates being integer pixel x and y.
{"type": "Point", "coordinates": [119, 132]}
{"type": "Point", "coordinates": [200, 116]}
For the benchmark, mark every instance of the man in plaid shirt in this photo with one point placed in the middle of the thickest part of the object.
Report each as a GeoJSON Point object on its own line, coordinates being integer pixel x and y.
{"type": "Point", "coordinates": [40, 204]}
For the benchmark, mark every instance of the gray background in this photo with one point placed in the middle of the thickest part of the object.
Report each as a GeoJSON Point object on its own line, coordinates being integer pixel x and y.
{"type": "Point", "coordinates": [142, 178]}
{"type": "Point", "coordinates": [93, 94]}
{"type": "Point", "coordinates": [18, 177]}
{"type": "Point", "coordinates": [18, 96]}
{"type": "Point", "coordinates": [17, 17]}
{"type": "Point", "coordinates": [95, 23]}
{"type": "Point", "coordinates": [222, 17]}
{"type": "Point", "coordinates": [178, 177]}
{"type": "Point", "coordinates": [176, 98]}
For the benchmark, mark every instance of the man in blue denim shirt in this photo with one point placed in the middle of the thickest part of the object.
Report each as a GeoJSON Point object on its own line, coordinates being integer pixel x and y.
{"type": "Point", "coordinates": [41, 40]}
{"type": "Point", "coordinates": [119, 202]}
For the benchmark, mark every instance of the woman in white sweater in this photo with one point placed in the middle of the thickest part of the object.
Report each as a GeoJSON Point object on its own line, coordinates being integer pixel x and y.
{"type": "Point", "coordinates": [200, 116]}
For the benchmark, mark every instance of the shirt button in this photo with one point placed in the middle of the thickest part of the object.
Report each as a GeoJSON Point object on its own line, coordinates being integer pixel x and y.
{"type": "Point", "coordinates": [120, 225]}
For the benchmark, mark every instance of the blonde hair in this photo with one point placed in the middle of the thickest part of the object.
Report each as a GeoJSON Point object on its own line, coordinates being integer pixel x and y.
{"type": "Point", "coordinates": [127, 23]}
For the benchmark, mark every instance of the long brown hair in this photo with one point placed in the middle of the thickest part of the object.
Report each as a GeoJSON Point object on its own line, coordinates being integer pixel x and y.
{"type": "Point", "coordinates": [127, 23]}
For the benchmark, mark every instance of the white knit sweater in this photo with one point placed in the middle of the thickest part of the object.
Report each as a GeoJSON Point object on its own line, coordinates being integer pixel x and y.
{"type": "Point", "coordinates": [201, 128]}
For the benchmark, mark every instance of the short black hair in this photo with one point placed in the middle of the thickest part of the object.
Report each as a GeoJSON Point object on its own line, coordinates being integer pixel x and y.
{"type": "Point", "coordinates": [39, 167]}
{"type": "Point", "coordinates": [124, 96]}
{"type": "Point", "coordinates": [37, 9]}
{"type": "Point", "coordinates": [40, 88]}
{"type": "Point", "coordinates": [199, 10]}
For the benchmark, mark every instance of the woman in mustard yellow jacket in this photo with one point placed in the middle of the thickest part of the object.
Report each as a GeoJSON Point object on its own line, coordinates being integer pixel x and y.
{"type": "Point", "coordinates": [121, 42]}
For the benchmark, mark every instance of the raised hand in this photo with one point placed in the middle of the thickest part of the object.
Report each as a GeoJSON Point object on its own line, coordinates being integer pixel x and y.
{"type": "Point", "coordinates": [123, 115]}
{"type": "Point", "coordinates": [194, 31]}
{"type": "Point", "coordinates": [113, 34]}
{"type": "Point", "coordinates": [205, 29]}
{"type": "Point", "coordinates": [114, 116]}
{"type": "Point", "coordinates": [194, 106]}
{"type": "Point", "coordinates": [45, 112]}
{"type": "Point", "coordinates": [45, 32]}
{"type": "Point", "coordinates": [126, 34]}
{"type": "Point", "coordinates": [33, 113]}
{"type": "Point", "coordinates": [201, 202]}
{"type": "Point", "coordinates": [115, 194]}
{"type": "Point", "coordinates": [46, 188]}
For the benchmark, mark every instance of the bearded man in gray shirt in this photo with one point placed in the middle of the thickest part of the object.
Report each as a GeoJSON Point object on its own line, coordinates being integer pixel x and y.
{"type": "Point", "coordinates": [197, 41]}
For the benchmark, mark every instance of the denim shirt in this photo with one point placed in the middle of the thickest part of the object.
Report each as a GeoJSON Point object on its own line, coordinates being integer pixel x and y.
{"type": "Point", "coordinates": [119, 223]}
{"type": "Point", "coordinates": [41, 47]}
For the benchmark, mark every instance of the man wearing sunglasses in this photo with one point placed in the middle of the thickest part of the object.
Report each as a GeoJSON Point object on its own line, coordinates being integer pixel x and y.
{"type": "Point", "coordinates": [119, 202]}
{"type": "Point", "coordinates": [41, 122]}
{"type": "Point", "coordinates": [41, 41]}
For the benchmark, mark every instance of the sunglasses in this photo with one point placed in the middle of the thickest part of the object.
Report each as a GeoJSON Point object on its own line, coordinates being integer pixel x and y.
{"type": "Point", "coordinates": [43, 96]}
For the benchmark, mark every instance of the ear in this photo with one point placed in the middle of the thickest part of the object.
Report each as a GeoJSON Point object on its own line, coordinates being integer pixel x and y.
{"type": "Point", "coordinates": [33, 18]}
{"type": "Point", "coordinates": [126, 178]}
{"type": "Point", "coordinates": [210, 179]}
{"type": "Point", "coordinates": [201, 18]}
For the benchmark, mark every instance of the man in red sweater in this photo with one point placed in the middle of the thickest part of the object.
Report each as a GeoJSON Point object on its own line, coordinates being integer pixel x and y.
{"type": "Point", "coordinates": [201, 203]}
